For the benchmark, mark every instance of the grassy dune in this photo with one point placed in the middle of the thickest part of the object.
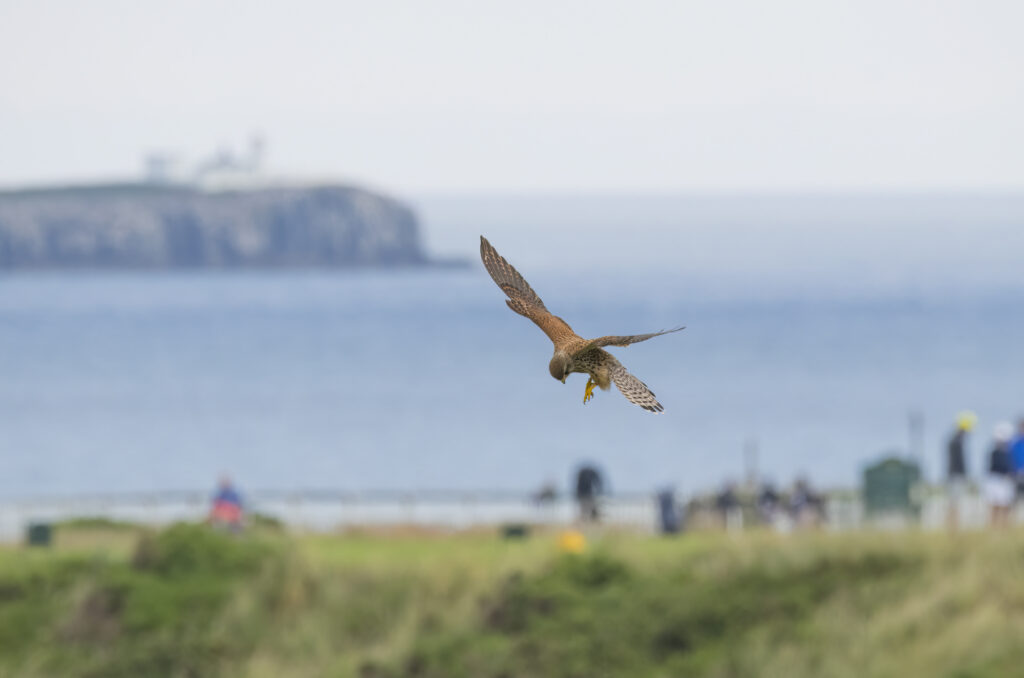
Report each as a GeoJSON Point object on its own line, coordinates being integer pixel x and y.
{"type": "Point", "coordinates": [110, 601]}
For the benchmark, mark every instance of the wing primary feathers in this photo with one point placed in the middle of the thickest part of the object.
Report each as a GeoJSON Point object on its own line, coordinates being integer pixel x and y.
{"type": "Point", "coordinates": [626, 340]}
{"type": "Point", "coordinates": [521, 297]}
{"type": "Point", "coordinates": [506, 276]}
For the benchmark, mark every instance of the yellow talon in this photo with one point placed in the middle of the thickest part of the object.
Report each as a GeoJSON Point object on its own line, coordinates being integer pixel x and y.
{"type": "Point", "coordinates": [589, 393]}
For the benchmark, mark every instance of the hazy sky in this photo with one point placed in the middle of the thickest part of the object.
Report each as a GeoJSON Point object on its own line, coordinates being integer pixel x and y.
{"type": "Point", "coordinates": [524, 95]}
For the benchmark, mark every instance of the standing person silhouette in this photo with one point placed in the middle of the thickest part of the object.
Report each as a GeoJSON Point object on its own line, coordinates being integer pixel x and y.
{"type": "Point", "coordinates": [956, 467]}
{"type": "Point", "coordinates": [589, 484]}
{"type": "Point", "coordinates": [999, 485]}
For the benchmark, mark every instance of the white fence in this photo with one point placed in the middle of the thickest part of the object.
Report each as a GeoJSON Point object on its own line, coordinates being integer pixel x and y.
{"type": "Point", "coordinates": [326, 510]}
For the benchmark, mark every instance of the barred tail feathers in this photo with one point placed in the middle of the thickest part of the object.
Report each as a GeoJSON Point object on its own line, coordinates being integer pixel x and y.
{"type": "Point", "coordinates": [635, 390]}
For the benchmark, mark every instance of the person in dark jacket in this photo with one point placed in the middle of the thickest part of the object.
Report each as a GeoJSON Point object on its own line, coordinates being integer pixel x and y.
{"type": "Point", "coordinates": [956, 467]}
{"type": "Point", "coordinates": [669, 515]}
{"type": "Point", "coordinates": [999, 485]}
{"type": "Point", "coordinates": [589, 484]}
{"type": "Point", "coordinates": [728, 504]}
{"type": "Point", "coordinates": [768, 503]}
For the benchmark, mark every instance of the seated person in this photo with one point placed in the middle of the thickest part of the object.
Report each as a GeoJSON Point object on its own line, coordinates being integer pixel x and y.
{"type": "Point", "coordinates": [226, 510]}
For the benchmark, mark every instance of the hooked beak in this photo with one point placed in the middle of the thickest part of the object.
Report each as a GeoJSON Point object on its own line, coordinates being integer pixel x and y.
{"type": "Point", "coordinates": [563, 380]}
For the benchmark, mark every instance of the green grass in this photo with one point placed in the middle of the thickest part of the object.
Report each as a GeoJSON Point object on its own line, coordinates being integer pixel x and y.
{"type": "Point", "coordinates": [191, 602]}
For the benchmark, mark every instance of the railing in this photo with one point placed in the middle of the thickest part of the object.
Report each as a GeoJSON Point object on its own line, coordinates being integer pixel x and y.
{"type": "Point", "coordinates": [326, 510]}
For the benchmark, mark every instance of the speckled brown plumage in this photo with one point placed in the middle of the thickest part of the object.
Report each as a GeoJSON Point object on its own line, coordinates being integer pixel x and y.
{"type": "Point", "coordinates": [573, 353]}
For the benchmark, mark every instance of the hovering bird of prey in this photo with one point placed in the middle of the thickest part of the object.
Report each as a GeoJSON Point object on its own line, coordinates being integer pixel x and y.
{"type": "Point", "coordinates": [573, 353]}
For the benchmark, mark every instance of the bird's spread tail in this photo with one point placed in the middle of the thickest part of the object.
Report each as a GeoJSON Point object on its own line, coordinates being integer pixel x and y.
{"type": "Point", "coordinates": [635, 390]}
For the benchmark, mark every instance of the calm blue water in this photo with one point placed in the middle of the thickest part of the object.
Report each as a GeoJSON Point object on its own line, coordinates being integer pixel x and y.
{"type": "Point", "coordinates": [426, 380]}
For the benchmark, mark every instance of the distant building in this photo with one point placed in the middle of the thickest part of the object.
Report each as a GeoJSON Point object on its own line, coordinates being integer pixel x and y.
{"type": "Point", "coordinates": [222, 170]}
{"type": "Point", "coordinates": [891, 489]}
{"type": "Point", "coordinates": [163, 169]}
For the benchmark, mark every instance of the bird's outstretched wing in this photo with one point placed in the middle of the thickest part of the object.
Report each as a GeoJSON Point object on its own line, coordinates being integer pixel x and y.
{"type": "Point", "coordinates": [521, 297]}
{"type": "Point", "coordinates": [625, 340]}
{"type": "Point", "coordinates": [635, 390]}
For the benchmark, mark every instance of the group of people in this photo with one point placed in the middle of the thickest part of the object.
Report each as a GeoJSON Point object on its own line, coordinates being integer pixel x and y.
{"type": "Point", "coordinates": [1004, 477]}
{"type": "Point", "coordinates": [801, 506]}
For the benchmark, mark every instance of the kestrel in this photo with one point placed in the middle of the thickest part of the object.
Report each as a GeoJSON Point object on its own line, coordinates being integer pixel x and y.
{"type": "Point", "coordinates": [573, 353]}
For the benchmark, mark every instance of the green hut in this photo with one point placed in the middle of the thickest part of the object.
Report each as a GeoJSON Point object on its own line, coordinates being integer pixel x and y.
{"type": "Point", "coordinates": [890, 487]}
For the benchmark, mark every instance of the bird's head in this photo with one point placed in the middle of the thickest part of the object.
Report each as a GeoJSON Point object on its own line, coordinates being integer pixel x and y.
{"type": "Point", "coordinates": [560, 366]}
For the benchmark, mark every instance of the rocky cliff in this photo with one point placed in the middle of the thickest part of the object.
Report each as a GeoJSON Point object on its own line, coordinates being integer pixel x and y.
{"type": "Point", "coordinates": [140, 226]}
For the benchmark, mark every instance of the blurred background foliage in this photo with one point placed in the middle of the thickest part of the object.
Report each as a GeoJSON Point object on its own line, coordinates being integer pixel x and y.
{"type": "Point", "coordinates": [189, 601]}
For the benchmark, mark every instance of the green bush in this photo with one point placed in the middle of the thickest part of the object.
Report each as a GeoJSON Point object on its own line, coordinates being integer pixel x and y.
{"type": "Point", "coordinates": [196, 550]}
{"type": "Point", "coordinates": [195, 602]}
{"type": "Point", "coordinates": [590, 616]}
{"type": "Point", "coordinates": [32, 594]}
{"type": "Point", "coordinates": [154, 615]}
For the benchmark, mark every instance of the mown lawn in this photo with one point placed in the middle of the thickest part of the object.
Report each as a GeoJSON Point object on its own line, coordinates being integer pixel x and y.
{"type": "Point", "coordinates": [115, 601]}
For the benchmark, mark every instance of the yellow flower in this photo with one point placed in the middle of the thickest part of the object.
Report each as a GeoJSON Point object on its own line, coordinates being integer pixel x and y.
{"type": "Point", "coordinates": [572, 541]}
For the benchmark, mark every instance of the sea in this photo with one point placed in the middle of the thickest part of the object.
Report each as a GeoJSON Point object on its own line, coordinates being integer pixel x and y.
{"type": "Point", "coordinates": [808, 351]}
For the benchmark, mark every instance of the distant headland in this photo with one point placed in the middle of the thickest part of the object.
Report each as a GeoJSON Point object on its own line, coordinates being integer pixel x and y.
{"type": "Point", "coordinates": [225, 216]}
